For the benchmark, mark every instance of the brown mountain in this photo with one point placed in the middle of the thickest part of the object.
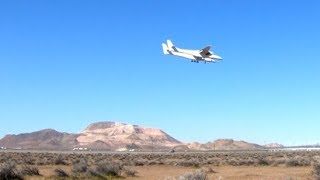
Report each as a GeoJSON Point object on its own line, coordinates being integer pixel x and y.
{"type": "Point", "coordinates": [126, 136]}
{"type": "Point", "coordinates": [224, 144]}
{"type": "Point", "coordinates": [274, 145]}
{"type": "Point", "coordinates": [114, 136]}
{"type": "Point", "coordinates": [47, 139]}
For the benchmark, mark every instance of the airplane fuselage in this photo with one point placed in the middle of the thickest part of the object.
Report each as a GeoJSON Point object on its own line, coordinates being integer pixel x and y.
{"type": "Point", "coordinates": [195, 55]}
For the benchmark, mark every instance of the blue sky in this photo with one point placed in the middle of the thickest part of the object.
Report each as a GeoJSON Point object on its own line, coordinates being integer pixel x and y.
{"type": "Point", "coordinates": [66, 64]}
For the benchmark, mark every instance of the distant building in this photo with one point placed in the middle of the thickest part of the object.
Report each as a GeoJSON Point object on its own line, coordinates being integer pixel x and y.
{"type": "Point", "coordinates": [79, 149]}
{"type": "Point", "coordinates": [296, 149]}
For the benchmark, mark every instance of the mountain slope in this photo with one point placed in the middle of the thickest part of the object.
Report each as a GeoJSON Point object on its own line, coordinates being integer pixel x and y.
{"type": "Point", "coordinates": [45, 139]}
{"type": "Point", "coordinates": [119, 135]}
{"type": "Point", "coordinates": [224, 144]}
{"type": "Point", "coordinates": [114, 136]}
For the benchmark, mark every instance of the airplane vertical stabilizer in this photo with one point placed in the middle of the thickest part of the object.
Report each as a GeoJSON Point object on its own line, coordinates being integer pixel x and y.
{"type": "Point", "coordinates": [165, 48]}
{"type": "Point", "coordinates": [171, 46]}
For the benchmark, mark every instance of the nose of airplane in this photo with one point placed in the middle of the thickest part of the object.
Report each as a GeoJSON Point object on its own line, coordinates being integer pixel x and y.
{"type": "Point", "coordinates": [218, 57]}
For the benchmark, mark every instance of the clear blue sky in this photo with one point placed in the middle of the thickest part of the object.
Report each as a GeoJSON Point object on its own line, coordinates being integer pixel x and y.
{"type": "Point", "coordinates": [66, 64]}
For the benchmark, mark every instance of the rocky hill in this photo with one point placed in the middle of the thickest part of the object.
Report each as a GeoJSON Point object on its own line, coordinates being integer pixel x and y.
{"type": "Point", "coordinates": [224, 144]}
{"type": "Point", "coordinates": [274, 145]}
{"type": "Point", "coordinates": [120, 135]}
{"type": "Point", "coordinates": [46, 139]}
{"type": "Point", "coordinates": [114, 136]}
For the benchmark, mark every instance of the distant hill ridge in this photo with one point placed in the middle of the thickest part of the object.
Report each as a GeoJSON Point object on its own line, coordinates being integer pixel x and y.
{"type": "Point", "coordinates": [114, 136]}
{"type": "Point", "coordinates": [43, 139]}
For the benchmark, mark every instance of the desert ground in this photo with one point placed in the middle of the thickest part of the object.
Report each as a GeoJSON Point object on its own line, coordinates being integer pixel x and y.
{"type": "Point", "coordinates": [169, 166]}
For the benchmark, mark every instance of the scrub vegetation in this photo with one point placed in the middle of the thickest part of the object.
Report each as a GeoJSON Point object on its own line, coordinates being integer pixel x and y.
{"type": "Point", "coordinates": [106, 165]}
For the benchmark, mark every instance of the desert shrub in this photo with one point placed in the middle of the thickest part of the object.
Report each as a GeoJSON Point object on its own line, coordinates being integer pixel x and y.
{"type": "Point", "coordinates": [279, 161]}
{"type": "Point", "coordinates": [130, 172]}
{"type": "Point", "coordinates": [209, 170]}
{"type": "Point", "coordinates": [298, 161]}
{"type": "Point", "coordinates": [60, 173]}
{"type": "Point", "coordinates": [137, 163]}
{"type": "Point", "coordinates": [291, 162]}
{"type": "Point", "coordinates": [159, 162]}
{"type": "Point", "coordinates": [93, 172]}
{"type": "Point", "coordinates": [109, 169]}
{"type": "Point", "coordinates": [152, 162]}
{"type": "Point", "coordinates": [29, 171]}
{"type": "Point", "coordinates": [197, 175]}
{"type": "Point", "coordinates": [262, 162]}
{"type": "Point", "coordinates": [316, 170]}
{"type": "Point", "coordinates": [41, 162]}
{"type": "Point", "coordinates": [232, 162]}
{"type": "Point", "coordinates": [246, 162]}
{"type": "Point", "coordinates": [59, 160]}
{"type": "Point", "coordinates": [188, 163]}
{"type": "Point", "coordinates": [80, 167]}
{"type": "Point", "coordinates": [29, 161]}
{"type": "Point", "coordinates": [213, 162]}
{"type": "Point", "coordinates": [8, 171]}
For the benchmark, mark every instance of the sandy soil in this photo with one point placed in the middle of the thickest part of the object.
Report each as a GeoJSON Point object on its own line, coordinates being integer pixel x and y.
{"type": "Point", "coordinates": [220, 173]}
{"type": "Point", "coordinates": [227, 172]}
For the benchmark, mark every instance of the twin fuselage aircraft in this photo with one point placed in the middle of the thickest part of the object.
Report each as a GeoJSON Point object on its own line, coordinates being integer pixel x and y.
{"type": "Point", "coordinates": [204, 54]}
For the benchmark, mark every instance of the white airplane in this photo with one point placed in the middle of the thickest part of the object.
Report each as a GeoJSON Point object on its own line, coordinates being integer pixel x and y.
{"type": "Point", "coordinates": [204, 54]}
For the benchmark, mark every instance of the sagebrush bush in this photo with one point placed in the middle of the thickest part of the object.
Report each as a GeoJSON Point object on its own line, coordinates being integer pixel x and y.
{"type": "Point", "coordinates": [60, 173]}
{"type": "Point", "coordinates": [262, 162]}
{"type": "Point", "coordinates": [246, 162]}
{"type": "Point", "coordinates": [80, 167]}
{"type": "Point", "coordinates": [29, 161]}
{"type": "Point", "coordinates": [209, 170]}
{"type": "Point", "coordinates": [298, 161]}
{"type": "Point", "coordinates": [29, 171]}
{"type": "Point", "coordinates": [188, 163]}
{"type": "Point", "coordinates": [8, 171]}
{"type": "Point", "coordinates": [130, 172]}
{"type": "Point", "coordinates": [197, 175]}
{"type": "Point", "coordinates": [108, 169]}
{"type": "Point", "coordinates": [138, 163]}
{"type": "Point", "coordinates": [316, 170]}
{"type": "Point", "coordinates": [279, 161]}
{"type": "Point", "coordinates": [59, 160]}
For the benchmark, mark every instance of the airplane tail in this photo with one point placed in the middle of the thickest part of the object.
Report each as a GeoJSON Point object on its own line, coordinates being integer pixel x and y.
{"type": "Point", "coordinates": [171, 46]}
{"type": "Point", "coordinates": [165, 48]}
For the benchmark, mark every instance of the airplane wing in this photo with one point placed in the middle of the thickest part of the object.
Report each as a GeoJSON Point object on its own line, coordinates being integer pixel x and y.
{"type": "Point", "coordinates": [205, 51]}
{"type": "Point", "coordinates": [188, 56]}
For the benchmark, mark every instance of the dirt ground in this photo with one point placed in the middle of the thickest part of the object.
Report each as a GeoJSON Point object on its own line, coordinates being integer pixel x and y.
{"type": "Point", "coordinates": [161, 172]}
{"type": "Point", "coordinates": [227, 172]}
